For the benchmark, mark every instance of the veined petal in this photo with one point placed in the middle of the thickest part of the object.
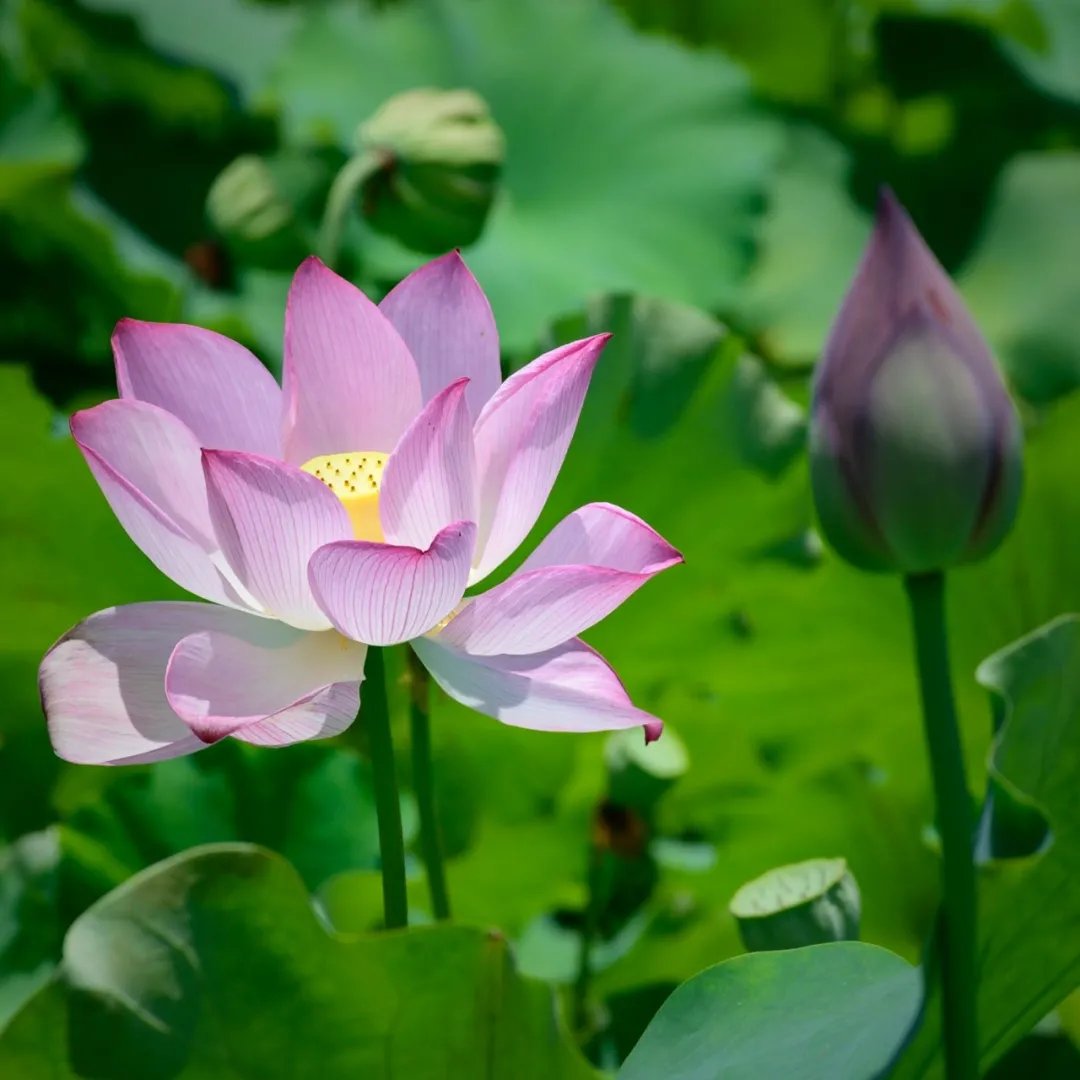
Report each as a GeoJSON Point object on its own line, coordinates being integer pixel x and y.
{"type": "Point", "coordinates": [381, 594]}
{"type": "Point", "coordinates": [430, 479]}
{"type": "Point", "coordinates": [568, 688]}
{"type": "Point", "coordinates": [583, 569]}
{"type": "Point", "coordinates": [221, 392]}
{"type": "Point", "coordinates": [270, 518]}
{"type": "Point", "coordinates": [445, 319]}
{"type": "Point", "coordinates": [522, 437]}
{"type": "Point", "coordinates": [349, 380]}
{"type": "Point", "coordinates": [148, 466]}
{"type": "Point", "coordinates": [103, 683]}
{"type": "Point", "coordinates": [265, 682]}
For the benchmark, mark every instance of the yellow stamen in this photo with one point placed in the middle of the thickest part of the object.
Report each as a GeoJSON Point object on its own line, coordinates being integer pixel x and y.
{"type": "Point", "coordinates": [344, 475]}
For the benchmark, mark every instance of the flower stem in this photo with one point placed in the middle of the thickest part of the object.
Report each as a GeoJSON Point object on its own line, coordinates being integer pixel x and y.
{"type": "Point", "coordinates": [956, 939]}
{"type": "Point", "coordinates": [423, 785]}
{"type": "Point", "coordinates": [339, 201]}
{"type": "Point", "coordinates": [375, 714]}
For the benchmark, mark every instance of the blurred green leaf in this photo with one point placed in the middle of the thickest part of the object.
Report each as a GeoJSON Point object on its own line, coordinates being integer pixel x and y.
{"type": "Point", "coordinates": [29, 928]}
{"type": "Point", "coordinates": [314, 804]}
{"type": "Point", "coordinates": [624, 118]}
{"type": "Point", "coordinates": [214, 964]}
{"type": "Point", "coordinates": [834, 1010]}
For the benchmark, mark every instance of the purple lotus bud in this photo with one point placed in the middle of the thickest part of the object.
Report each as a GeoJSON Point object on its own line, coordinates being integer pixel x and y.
{"type": "Point", "coordinates": [915, 447]}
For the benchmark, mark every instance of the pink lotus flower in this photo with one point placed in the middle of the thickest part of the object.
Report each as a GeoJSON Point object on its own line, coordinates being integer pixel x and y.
{"type": "Point", "coordinates": [352, 506]}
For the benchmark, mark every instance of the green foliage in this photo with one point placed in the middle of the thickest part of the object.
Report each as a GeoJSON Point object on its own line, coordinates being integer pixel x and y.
{"type": "Point", "coordinates": [214, 965]}
{"type": "Point", "coordinates": [697, 178]}
{"type": "Point", "coordinates": [824, 1010]}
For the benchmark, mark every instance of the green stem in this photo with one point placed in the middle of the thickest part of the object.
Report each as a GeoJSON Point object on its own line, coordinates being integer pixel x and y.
{"type": "Point", "coordinates": [589, 926]}
{"type": "Point", "coordinates": [423, 785]}
{"type": "Point", "coordinates": [956, 940]}
{"type": "Point", "coordinates": [375, 715]}
{"type": "Point", "coordinates": [340, 201]}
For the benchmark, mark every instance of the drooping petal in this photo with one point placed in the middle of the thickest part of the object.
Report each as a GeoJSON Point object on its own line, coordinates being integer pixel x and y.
{"type": "Point", "coordinates": [270, 518]}
{"type": "Point", "coordinates": [349, 380]}
{"type": "Point", "coordinates": [583, 569]}
{"type": "Point", "coordinates": [430, 479]}
{"type": "Point", "coordinates": [568, 688]}
{"type": "Point", "coordinates": [521, 439]}
{"type": "Point", "coordinates": [221, 392]}
{"type": "Point", "coordinates": [445, 319]}
{"type": "Point", "coordinates": [265, 682]}
{"type": "Point", "coordinates": [381, 594]}
{"type": "Point", "coordinates": [148, 466]}
{"type": "Point", "coordinates": [103, 683]}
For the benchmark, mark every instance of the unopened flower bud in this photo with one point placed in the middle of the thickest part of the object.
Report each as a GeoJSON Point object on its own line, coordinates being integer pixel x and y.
{"type": "Point", "coordinates": [258, 205]}
{"type": "Point", "coordinates": [441, 157]}
{"type": "Point", "coordinates": [915, 446]}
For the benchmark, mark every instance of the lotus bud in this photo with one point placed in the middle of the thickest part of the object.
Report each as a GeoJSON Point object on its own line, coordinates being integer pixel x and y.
{"type": "Point", "coordinates": [441, 154]}
{"type": "Point", "coordinates": [915, 446]}
{"type": "Point", "coordinates": [257, 204]}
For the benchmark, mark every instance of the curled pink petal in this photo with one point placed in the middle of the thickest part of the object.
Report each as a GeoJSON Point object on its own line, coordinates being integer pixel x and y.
{"type": "Point", "coordinates": [147, 464]}
{"type": "Point", "coordinates": [568, 688]}
{"type": "Point", "coordinates": [349, 380]}
{"type": "Point", "coordinates": [215, 386]}
{"type": "Point", "coordinates": [103, 683]}
{"type": "Point", "coordinates": [445, 319]}
{"type": "Point", "coordinates": [430, 479]}
{"type": "Point", "coordinates": [583, 569]}
{"type": "Point", "coordinates": [381, 594]}
{"type": "Point", "coordinates": [270, 518]}
{"type": "Point", "coordinates": [265, 682]}
{"type": "Point", "coordinates": [522, 437]}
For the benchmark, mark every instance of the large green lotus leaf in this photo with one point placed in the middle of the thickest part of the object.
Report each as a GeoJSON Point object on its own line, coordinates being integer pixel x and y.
{"type": "Point", "coordinates": [811, 236]}
{"type": "Point", "coordinates": [834, 1010]}
{"type": "Point", "coordinates": [213, 965]}
{"type": "Point", "coordinates": [1029, 908]}
{"type": "Point", "coordinates": [239, 39]}
{"type": "Point", "coordinates": [1044, 44]}
{"type": "Point", "coordinates": [602, 124]}
{"type": "Point", "coordinates": [1021, 280]}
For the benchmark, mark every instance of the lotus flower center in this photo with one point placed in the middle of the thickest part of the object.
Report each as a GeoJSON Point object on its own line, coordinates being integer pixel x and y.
{"type": "Point", "coordinates": [355, 478]}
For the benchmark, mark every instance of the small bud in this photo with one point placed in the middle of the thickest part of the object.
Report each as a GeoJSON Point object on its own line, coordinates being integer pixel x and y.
{"type": "Point", "coordinates": [915, 447]}
{"type": "Point", "coordinates": [806, 903]}
{"type": "Point", "coordinates": [257, 204]}
{"type": "Point", "coordinates": [441, 157]}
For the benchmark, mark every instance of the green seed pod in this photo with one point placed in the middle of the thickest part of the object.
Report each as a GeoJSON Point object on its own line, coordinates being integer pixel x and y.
{"type": "Point", "coordinates": [915, 446]}
{"type": "Point", "coordinates": [441, 154]}
{"type": "Point", "coordinates": [805, 903]}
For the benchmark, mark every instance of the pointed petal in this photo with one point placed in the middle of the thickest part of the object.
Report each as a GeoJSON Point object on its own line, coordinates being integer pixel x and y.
{"type": "Point", "coordinates": [103, 683]}
{"type": "Point", "coordinates": [445, 319]}
{"type": "Point", "coordinates": [265, 682]}
{"type": "Point", "coordinates": [148, 467]}
{"type": "Point", "coordinates": [584, 568]}
{"type": "Point", "coordinates": [349, 381]}
{"type": "Point", "coordinates": [220, 391]}
{"type": "Point", "coordinates": [270, 518]}
{"type": "Point", "coordinates": [430, 478]}
{"type": "Point", "coordinates": [381, 594]}
{"type": "Point", "coordinates": [898, 277]}
{"type": "Point", "coordinates": [521, 439]}
{"type": "Point", "coordinates": [568, 688]}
